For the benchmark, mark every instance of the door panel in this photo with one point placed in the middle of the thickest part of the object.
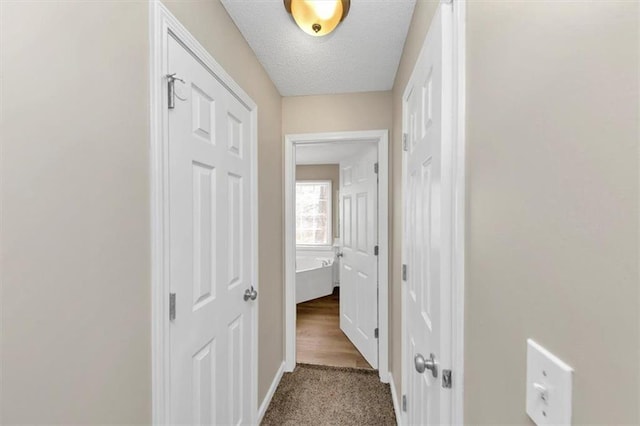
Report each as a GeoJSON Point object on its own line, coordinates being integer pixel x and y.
{"type": "Point", "coordinates": [210, 248]}
{"type": "Point", "coordinates": [361, 222]}
{"type": "Point", "coordinates": [427, 230]}
{"type": "Point", "coordinates": [204, 379]}
{"type": "Point", "coordinates": [235, 353]}
{"type": "Point", "coordinates": [234, 229]}
{"type": "Point", "coordinates": [359, 264]}
{"type": "Point", "coordinates": [204, 241]}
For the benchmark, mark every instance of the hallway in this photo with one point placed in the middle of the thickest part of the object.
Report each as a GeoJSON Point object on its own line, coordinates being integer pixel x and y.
{"type": "Point", "coordinates": [332, 383]}
{"type": "Point", "coordinates": [319, 339]}
{"type": "Point", "coordinates": [487, 257]}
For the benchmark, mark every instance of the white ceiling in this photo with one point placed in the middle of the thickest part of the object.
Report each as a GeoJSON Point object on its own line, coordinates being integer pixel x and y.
{"type": "Point", "coordinates": [361, 55]}
{"type": "Point", "coordinates": [329, 153]}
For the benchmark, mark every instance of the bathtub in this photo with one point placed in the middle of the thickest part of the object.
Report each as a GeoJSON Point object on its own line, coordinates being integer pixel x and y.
{"type": "Point", "coordinates": [314, 277]}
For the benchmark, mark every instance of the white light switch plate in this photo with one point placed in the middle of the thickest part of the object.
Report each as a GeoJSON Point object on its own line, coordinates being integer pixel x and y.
{"type": "Point", "coordinates": [549, 387]}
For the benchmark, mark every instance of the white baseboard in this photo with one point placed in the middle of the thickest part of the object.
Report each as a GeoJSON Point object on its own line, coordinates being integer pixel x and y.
{"type": "Point", "coordinates": [270, 393]}
{"type": "Point", "coordinates": [396, 401]}
{"type": "Point", "coordinates": [384, 376]}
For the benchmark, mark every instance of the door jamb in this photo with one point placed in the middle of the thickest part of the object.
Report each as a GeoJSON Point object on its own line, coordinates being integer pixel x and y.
{"type": "Point", "coordinates": [458, 139]}
{"type": "Point", "coordinates": [162, 25]}
{"type": "Point", "coordinates": [290, 141]}
{"type": "Point", "coordinates": [459, 203]}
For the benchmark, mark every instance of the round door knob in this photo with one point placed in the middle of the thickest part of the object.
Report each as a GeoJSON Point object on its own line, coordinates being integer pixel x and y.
{"type": "Point", "coordinates": [423, 364]}
{"type": "Point", "coordinates": [250, 293]}
{"type": "Point", "coordinates": [339, 254]}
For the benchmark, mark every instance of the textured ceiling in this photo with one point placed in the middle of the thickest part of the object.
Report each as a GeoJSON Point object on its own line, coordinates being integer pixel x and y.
{"type": "Point", "coordinates": [361, 55]}
{"type": "Point", "coordinates": [329, 153]}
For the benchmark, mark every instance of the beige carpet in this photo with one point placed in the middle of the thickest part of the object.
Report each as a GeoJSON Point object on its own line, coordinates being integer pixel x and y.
{"type": "Point", "coordinates": [321, 395]}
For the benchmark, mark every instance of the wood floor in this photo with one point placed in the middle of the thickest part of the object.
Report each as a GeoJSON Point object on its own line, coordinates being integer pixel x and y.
{"type": "Point", "coordinates": [319, 338]}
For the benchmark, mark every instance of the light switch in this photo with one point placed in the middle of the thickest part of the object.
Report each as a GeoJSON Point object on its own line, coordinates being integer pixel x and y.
{"type": "Point", "coordinates": [549, 387]}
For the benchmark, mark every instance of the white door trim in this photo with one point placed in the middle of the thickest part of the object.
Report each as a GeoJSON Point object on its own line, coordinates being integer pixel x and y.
{"type": "Point", "coordinates": [162, 24]}
{"type": "Point", "coordinates": [458, 214]}
{"type": "Point", "coordinates": [459, 206]}
{"type": "Point", "coordinates": [290, 141]}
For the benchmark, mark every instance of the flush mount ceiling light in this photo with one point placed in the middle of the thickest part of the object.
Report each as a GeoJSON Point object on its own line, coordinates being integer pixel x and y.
{"type": "Point", "coordinates": [318, 17]}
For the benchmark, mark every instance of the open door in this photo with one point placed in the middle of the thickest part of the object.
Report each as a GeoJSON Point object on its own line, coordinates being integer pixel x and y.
{"type": "Point", "coordinates": [359, 262]}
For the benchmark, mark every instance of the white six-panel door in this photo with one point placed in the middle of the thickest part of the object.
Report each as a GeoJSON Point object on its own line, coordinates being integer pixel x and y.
{"type": "Point", "coordinates": [427, 230]}
{"type": "Point", "coordinates": [210, 248]}
{"type": "Point", "coordinates": [359, 264]}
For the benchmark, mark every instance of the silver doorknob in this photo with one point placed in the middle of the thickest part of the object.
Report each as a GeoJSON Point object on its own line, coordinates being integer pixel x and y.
{"type": "Point", "coordinates": [426, 364]}
{"type": "Point", "coordinates": [250, 293]}
{"type": "Point", "coordinates": [339, 254]}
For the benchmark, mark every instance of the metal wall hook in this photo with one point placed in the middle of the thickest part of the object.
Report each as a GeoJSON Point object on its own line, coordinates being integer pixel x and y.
{"type": "Point", "coordinates": [172, 77]}
{"type": "Point", "coordinates": [171, 92]}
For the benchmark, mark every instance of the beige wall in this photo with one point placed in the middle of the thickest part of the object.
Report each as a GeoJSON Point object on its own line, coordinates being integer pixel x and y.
{"type": "Point", "coordinates": [76, 331]}
{"type": "Point", "coordinates": [552, 243]}
{"type": "Point", "coordinates": [324, 172]}
{"type": "Point", "coordinates": [209, 22]}
{"type": "Point", "coordinates": [552, 220]}
{"type": "Point", "coordinates": [336, 113]}
{"type": "Point", "coordinates": [422, 16]}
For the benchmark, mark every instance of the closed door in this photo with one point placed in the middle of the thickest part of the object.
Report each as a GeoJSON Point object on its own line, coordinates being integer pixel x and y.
{"type": "Point", "coordinates": [359, 263]}
{"type": "Point", "coordinates": [427, 229]}
{"type": "Point", "coordinates": [210, 248]}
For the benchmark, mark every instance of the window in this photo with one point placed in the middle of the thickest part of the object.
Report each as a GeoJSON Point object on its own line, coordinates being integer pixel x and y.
{"type": "Point", "coordinates": [313, 213]}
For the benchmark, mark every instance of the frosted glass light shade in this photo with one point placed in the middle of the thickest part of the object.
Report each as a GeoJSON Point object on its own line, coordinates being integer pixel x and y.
{"type": "Point", "coordinates": [317, 17]}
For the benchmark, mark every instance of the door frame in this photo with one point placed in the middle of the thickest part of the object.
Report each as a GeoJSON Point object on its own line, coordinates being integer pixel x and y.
{"type": "Point", "coordinates": [381, 137]}
{"type": "Point", "coordinates": [457, 96]}
{"type": "Point", "coordinates": [162, 25]}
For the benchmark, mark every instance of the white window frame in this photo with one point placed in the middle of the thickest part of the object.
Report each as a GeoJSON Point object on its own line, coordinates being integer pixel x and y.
{"type": "Point", "coordinates": [329, 208]}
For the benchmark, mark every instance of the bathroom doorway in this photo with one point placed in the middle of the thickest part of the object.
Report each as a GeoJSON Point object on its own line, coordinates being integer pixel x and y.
{"type": "Point", "coordinates": [337, 250]}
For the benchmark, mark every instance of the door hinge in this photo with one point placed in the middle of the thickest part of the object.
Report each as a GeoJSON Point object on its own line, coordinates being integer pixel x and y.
{"type": "Point", "coordinates": [376, 250]}
{"type": "Point", "coordinates": [405, 145]}
{"type": "Point", "coordinates": [404, 272]}
{"type": "Point", "coordinates": [446, 379]}
{"type": "Point", "coordinates": [375, 168]}
{"type": "Point", "coordinates": [375, 333]}
{"type": "Point", "coordinates": [172, 306]}
{"type": "Point", "coordinates": [404, 402]}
